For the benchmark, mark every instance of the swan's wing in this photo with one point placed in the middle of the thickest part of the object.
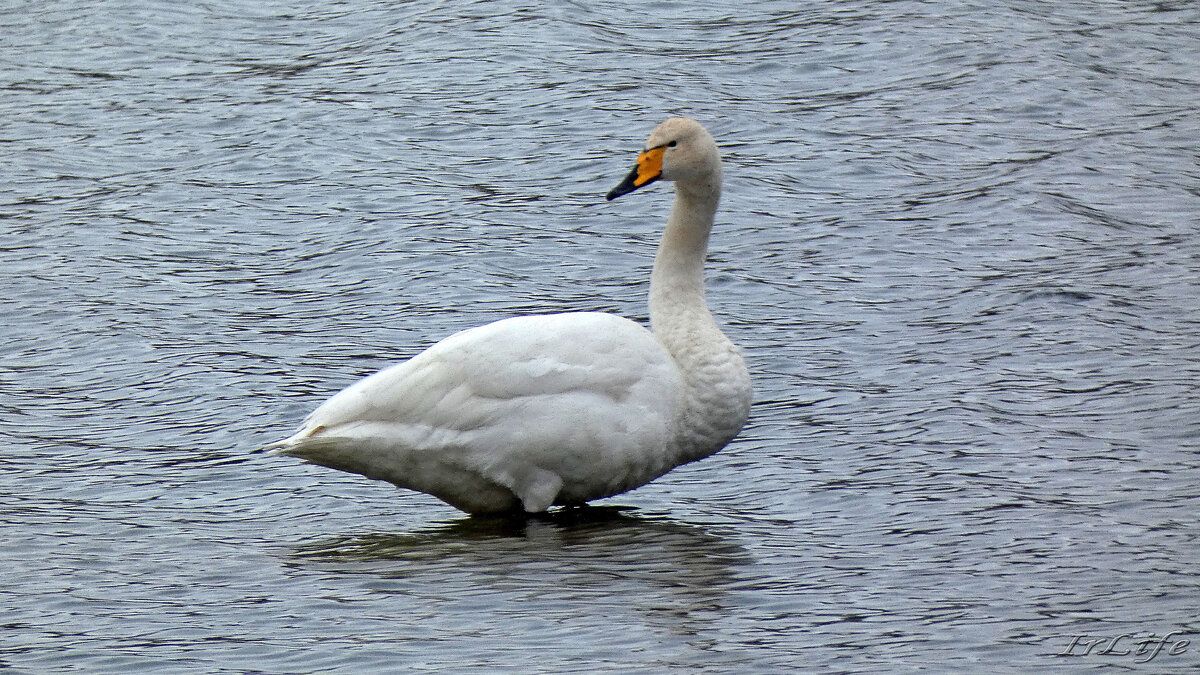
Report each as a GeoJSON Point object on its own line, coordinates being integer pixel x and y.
{"type": "Point", "coordinates": [537, 404]}
{"type": "Point", "coordinates": [464, 381]}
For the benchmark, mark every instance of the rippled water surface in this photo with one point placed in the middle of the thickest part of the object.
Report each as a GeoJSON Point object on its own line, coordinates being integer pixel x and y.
{"type": "Point", "coordinates": [960, 245]}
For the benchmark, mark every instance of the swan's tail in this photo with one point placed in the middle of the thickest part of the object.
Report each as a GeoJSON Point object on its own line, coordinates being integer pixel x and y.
{"type": "Point", "coordinates": [299, 444]}
{"type": "Point", "coordinates": [343, 450]}
{"type": "Point", "coordinates": [373, 450]}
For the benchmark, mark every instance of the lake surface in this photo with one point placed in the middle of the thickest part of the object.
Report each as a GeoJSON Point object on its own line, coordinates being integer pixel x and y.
{"type": "Point", "coordinates": [960, 246]}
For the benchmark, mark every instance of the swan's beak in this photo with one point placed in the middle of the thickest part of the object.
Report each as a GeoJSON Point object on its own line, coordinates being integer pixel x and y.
{"type": "Point", "coordinates": [648, 169]}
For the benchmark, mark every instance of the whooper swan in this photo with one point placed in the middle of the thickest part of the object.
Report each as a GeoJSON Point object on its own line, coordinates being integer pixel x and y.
{"type": "Point", "coordinates": [534, 411]}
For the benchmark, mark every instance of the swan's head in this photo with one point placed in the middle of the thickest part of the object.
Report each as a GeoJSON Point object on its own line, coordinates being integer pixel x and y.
{"type": "Point", "coordinates": [679, 150]}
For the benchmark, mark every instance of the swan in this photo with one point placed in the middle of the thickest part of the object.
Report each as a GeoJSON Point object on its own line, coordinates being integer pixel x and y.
{"type": "Point", "coordinates": [558, 409]}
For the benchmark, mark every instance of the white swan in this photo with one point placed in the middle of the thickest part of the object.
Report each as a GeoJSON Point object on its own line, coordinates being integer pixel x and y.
{"type": "Point", "coordinates": [534, 411]}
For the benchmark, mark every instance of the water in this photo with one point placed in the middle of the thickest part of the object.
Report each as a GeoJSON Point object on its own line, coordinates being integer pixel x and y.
{"type": "Point", "coordinates": [958, 245]}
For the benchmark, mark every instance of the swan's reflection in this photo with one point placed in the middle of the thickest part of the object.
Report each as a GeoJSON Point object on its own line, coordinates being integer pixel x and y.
{"type": "Point", "coordinates": [609, 562]}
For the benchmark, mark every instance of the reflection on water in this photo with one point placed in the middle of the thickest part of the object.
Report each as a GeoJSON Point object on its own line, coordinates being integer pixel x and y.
{"type": "Point", "coordinates": [668, 578]}
{"type": "Point", "coordinates": [590, 545]}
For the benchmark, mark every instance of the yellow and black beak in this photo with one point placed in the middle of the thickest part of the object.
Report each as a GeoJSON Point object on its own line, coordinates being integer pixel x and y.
{"type": "Point", "coordinates": [648, 170]}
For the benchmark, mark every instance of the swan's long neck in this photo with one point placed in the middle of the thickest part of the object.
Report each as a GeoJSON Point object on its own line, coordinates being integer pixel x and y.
{"type": "Point", "coordinates": [677, 283]}
{"type": "Point", "coordinates": [717, 397]}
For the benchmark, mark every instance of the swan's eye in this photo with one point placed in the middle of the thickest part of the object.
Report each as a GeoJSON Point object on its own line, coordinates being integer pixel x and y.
{"type": "Point", "coordinates": [672, 144]}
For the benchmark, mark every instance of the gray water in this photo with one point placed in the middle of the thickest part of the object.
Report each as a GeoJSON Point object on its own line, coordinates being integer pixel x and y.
{"type": "Point", "coordinates": [960, 246]}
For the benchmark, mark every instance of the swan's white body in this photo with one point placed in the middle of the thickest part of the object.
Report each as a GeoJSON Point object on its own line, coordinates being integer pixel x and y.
{"type": "Point", "coordinates": [562, 408]}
